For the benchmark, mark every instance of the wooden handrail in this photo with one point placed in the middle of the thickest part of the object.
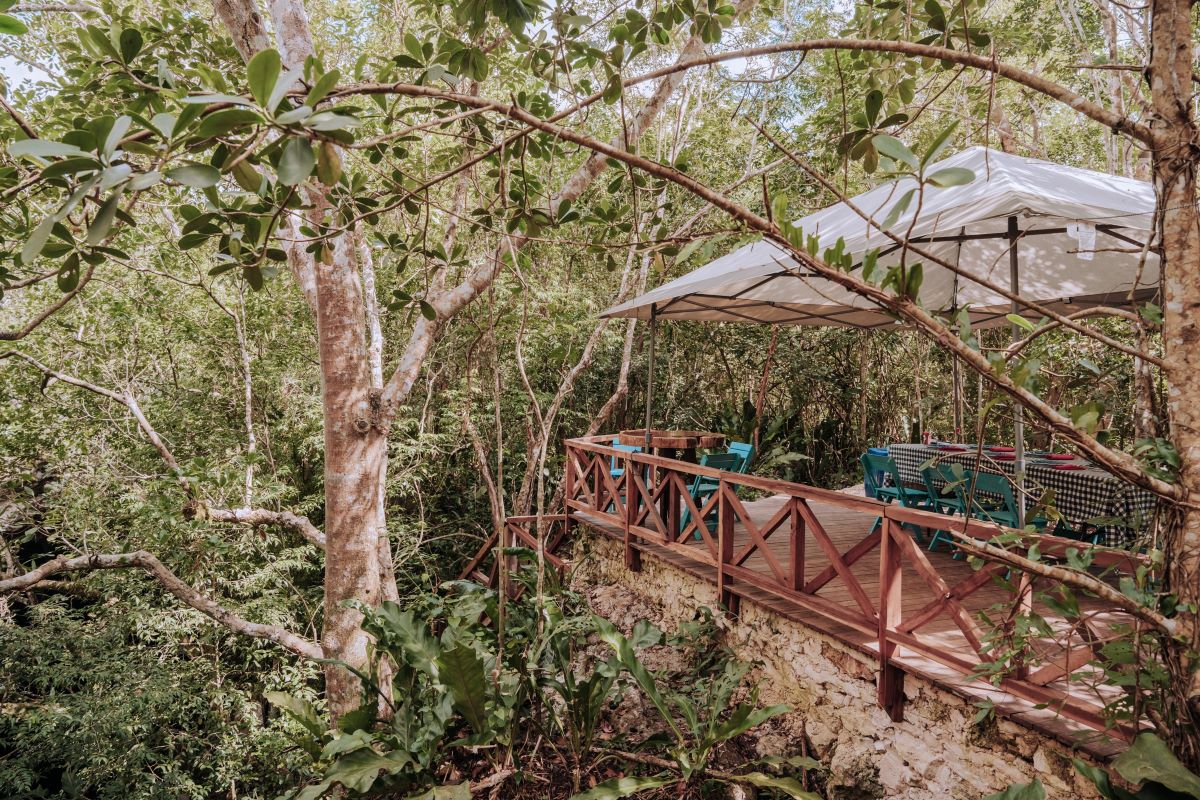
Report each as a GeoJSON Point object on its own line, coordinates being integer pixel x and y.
{"type": "Point", "coordinates": [645, 504]}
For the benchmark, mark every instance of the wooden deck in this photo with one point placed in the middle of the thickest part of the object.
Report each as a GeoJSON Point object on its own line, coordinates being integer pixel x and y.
{"type": "Point", "coordinates": [846, 528]}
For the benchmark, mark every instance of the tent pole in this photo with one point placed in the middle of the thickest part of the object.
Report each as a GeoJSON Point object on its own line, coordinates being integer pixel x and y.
{"type": "Point", "coordinates": [1014, 234]}
{"type": "Point", "coordinates": [956, 386]}
{"type": "Point", "coordinates": [650, 373]}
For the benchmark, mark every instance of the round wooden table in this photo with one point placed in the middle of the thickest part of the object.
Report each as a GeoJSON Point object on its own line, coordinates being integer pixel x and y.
{"type": "Point", "coordinates": [677, 444]}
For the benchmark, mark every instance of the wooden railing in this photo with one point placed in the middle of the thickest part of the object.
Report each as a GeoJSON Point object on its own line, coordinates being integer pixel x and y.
{"type": "Point", "coordinates": [649, 502]}
{"type": "Point", "coordinates": [484, 566]}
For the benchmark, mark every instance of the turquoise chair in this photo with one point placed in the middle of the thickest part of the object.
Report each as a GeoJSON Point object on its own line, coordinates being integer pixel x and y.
{"type": "Point", "coordinates": [991, 499]}
{"type": "Point", "coordinates": [703, 487]}
{"type": "Point", "coordinates": [897, 492]}
{"type": "Point", "coordinates": [949, 498]}
{"type": "Point", "coordinates": [617, 471]}
{"type": "Point", "coordinates": [745, 452]}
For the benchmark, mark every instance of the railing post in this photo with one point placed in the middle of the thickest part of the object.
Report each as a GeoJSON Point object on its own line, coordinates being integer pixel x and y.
{"type": "Point", "coordinates": [891, 677]}
{"type": "Point", "coordinates": [798, 535]}
{"type": "Point", "coordinates": [725, 549]}
{"type": "Point", "coordinates": [672, 516]}
{"type": "Point", "coordinates": [633, 556]}
{"type": "Point", "coordinates": [569, 492]}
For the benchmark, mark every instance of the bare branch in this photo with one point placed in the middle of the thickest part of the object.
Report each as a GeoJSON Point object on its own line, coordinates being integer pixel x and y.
{"type": "Point", "coordinates": [172, 583]}
{"type": "Point", "coordinates": [262, 516]}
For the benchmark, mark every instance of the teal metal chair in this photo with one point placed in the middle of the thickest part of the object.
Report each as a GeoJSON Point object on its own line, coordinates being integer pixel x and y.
{"type": "Point", "coordinates": [907, 496]}
{"type": "Point", "coordinates": [703, 486]}
{"type": "Point", "coordinates": [947, 499]}
{"type": "Point", "coordinates": [991, 500]}
{"type": "Point", "coordinates": [617, 471]}
{"type": "Point", "coordinates": [745, 452]}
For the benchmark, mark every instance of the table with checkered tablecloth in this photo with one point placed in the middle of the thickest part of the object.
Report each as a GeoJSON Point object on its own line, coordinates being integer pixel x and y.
{"type": "Point", "coordinates": [1089, 495]}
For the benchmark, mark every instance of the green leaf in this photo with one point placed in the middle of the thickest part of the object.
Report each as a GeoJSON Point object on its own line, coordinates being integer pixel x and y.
{"type": "Point", "coordinates": [261, 73]}
{"type": "Point", "coordinates": [222, 122]}
{"type": "Point", "coordinates": [359, 770]}
{"type": "Point", "coordinates": [198, 176]}
{"type": "Point", "coordinates": [12, 26]}
{"type": "Point", "coordinates": [1021, 791]}
{"type": "Point", "coordinates": [284, 85]}
{"type": "Point", "coordinates": [873, 103]}
{"type": "Point", "coordinates": [131, 44]}
{"type": "Point", "coordinates": [37, 240]}
{"type": "Point", "coordinates": [322, 87]}
{"type": "Point", "coordinates": [103, 221]}
{"type": "Point", "coordinates": [624, 787]}
{"type": "Point", "coordinates": [70, 166]}
{"type": "Point", "coordinates": [428, 311]}
{"type": "Point", "coordinates": [951, 176]}
{"type": "Point", "coordinates": [1149, 759]}
{"type": "Point", "coordinates": [789, 786]}
{"type": "Point", "coordinates": [629, 660]}
{"type": "Point", "coordinates": [41, 148]}
{"type": "Point", "coordinates": [895, 149]}
{"type": "Point", "coordinates": [297, 161]}
{"type": "Point", "coordinates": [298, 709]}
{"type": "Point", "coordinates": [68, 277]}
{"type": "Point", "coordinates": [116, 133]}
{"type": "Point", "coordinates": [145, 180]}
{"type": "Point", "coordinates": [939, 144]}
{"type": "Point", "coordinates": [899, 208]}
{"type": "Point", "coordinates": [1019, 321]}
{"type": "Point", "coordinates": [461, 671]}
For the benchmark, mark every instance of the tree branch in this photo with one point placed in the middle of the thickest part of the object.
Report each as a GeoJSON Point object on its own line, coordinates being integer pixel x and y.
{"type": "Point", "coordinates": [172, 583]}
{"type": "Point", "coordinates": [262, 516]}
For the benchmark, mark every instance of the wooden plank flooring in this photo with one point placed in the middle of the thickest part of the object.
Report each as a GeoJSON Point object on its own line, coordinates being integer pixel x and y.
{"type": "Point", "coordinates": [846, 528]}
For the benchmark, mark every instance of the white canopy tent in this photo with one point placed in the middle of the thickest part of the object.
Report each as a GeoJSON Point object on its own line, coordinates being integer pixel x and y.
{"type": "Point", "coordinates": [1065, 237]}
{"type": "Point", "coordinates": [1079, 233]}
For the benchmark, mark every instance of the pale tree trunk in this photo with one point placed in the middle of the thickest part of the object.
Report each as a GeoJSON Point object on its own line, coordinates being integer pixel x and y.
{"type": "Point", "coordinates": [355, 448]}
{"type": "Point", "coordinates": [1170, 79]}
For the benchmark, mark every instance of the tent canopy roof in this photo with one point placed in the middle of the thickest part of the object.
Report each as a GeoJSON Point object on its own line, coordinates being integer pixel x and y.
{"type": "Point", "coordinates": [1081, 235]}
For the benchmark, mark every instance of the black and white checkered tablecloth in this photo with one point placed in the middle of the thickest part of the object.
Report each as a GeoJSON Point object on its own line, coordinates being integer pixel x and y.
{"type": "Point", "coordinates": [1090, 495]}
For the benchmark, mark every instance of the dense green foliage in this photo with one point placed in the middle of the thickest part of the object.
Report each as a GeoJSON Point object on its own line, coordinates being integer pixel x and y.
{"type": "Point", "coordinates": [108, 687]}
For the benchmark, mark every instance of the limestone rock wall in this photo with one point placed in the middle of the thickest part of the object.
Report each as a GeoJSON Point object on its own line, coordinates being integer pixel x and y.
{"type": "Point", "coordinates": [937, 752]}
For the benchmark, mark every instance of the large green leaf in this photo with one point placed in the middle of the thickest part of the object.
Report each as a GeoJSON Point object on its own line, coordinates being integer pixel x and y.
{"type": "Point", "coordinates": [198, 176]}
{"type": "Point", "coordinates": [37, 240]}
{"type": "Point", "coordinates": [789, 786]}
{"type": "Point", "coordinates": [895, 149]}
{"type": "Point", "coordinates": [296, 162]}
{"type": "Point", "coordinates": [103, 221]}
{"type": "Point", "coordinates": [1149, 759]}
{"type": "Point", "coordinates": [629, 660]}
{"type": "Point", "coordinates": [461, 670]}
{"type": "Point", "coordinates": [951, 176]}
{"type": "Point", "coordinates": [42, 148]}
{"type": "Point", "coordinates": [222, 122]}
{"type": "Point", "coordinates": [298, 709]}
{"type": "Point", "coordinates": [356, 771]}
{"type": "Point", "coordinates": [262, 72]}
{"type": "Point", "coordinates": [624, 787]}
{"type": "Point", "coordinates": [11, 25]}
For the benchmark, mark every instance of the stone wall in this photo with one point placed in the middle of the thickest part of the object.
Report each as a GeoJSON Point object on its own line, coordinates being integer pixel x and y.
{"type": "Point", "coordinates": [938, 751]}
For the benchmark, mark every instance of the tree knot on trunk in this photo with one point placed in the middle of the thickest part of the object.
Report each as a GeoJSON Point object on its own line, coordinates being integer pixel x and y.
{"type": "Point", "coordinates": [376, 418]}
{"type": "Point", "coordinates": [195, 510]}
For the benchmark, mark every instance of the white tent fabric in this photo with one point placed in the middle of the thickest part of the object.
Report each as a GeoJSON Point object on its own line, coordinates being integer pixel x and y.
{"type": "Point", "coordinates": [1080, 242]}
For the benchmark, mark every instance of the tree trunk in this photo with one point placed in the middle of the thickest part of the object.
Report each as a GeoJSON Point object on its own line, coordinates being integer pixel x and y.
{"type": "Point", "coordinates": [1174, 165]}
{"type": "Point", "coordinates": [355, 452]}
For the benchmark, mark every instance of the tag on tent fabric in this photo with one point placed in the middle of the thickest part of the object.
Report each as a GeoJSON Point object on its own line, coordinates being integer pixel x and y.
{"type": "Point", "coordinates": [1085, 234]}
